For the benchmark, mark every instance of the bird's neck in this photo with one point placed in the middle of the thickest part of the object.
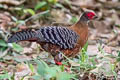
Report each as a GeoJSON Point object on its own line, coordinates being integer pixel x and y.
{"type": "Point", "coordinates": [82, 22]}
{"type": "Point", "coordinates": [83, 19]}
{"type": "Point", "coordinates": [80, 25]}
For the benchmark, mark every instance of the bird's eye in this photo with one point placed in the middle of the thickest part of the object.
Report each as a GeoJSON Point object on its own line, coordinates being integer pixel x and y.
{"type": "Point", "coordinates": [60, 56]}
{"type": "Point", "coordinates": [90, 15]}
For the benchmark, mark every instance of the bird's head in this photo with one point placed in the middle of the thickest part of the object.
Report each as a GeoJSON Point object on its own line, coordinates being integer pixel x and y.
{"type": "Point", "coordinates": [58, 58]}
{"type": "Point", "coordinates": [88, 15]}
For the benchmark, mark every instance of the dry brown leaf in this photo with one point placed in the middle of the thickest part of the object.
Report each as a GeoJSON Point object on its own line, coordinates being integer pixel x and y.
{"type": "Point", "coordinates": [92, 50]}
{"type": "Point", "coordinates": [107, 49]}
{"type": "Point", "coordinates": [4, 21]}
{"type": "Point", "coordinates": [74, 63]}
{"type": "Point", "coordinates": [27, 50]}
{"type": "Point", "coordinates": [22, 70]}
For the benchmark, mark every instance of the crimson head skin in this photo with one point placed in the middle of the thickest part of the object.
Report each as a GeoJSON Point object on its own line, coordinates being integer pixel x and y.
{"type": "Point", "coordinates": [88, 15]}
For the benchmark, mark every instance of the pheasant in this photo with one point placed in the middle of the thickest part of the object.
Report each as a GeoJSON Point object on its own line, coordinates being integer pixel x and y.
{"type": "Point", "coordinates": [57, 40]}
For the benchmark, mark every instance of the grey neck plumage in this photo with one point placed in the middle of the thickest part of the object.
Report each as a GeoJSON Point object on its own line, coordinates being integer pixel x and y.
{"type": "Point", "coordinates": [84, 18]}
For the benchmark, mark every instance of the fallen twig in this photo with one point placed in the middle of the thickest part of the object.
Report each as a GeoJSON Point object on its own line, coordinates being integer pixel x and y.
{"type": "Point", "coordinates": [12, 2]}
{"type": "Point", "coordinates": [34, 17]}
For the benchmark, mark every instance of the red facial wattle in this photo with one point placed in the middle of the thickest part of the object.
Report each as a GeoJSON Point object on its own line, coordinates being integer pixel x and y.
{"type": "Point", "coordinates": [90, 15]}
{"type": "Point", "coordinates": [58, 63]}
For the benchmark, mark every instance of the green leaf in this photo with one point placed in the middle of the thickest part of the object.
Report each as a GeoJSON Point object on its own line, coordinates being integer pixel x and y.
{"type": "Point", "coordinates": [52, 1]}
{"type": "Point", "coordinates": [3, 43]}
{"type": "Point", "coordinates": [32, 12]}
{"type": "Point", "coordinates": [41, 69]}
{"type": "Point", "coordinates": [1, 6]}
{"type": "Point", "coordinates": [40, 5]}
{"type": "Point", "coordinates": [59, 5]}
{"type": "Point", "coordinates": [84, 56]}
{"type": "Point", "coordinates": [17, 47]}
{"type": "Point", "coordinates": [31, 67]}
{"type": "Point", "coordinates": [74, 19]}
{"type": "Point", "coordinates": [36, 77]}
{"type": "Point", "coordinates": [118, 53]}
{"type": "Point", "coordinates": [118, 59]}
{"type": "Point", "coordinates": [64, 76]}
{"type": "Point", "coordinates": [117, 25]}
{"type": "Point", "coordinates": [4, 76]}
{"type": "Point", "coordinates": [14, 18]}
{"type": "Point", "coordinates": [85, 46]}
{"type": "Point", "coordinates": [3, 49]}
{"type": "Point", "coordinates": [20, 22]}
{"type": "Point", "coordinates": [51, 72]}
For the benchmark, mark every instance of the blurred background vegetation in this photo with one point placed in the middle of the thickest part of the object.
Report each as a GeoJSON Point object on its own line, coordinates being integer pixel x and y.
{"type": "Point", "coordinates": [98, 60]}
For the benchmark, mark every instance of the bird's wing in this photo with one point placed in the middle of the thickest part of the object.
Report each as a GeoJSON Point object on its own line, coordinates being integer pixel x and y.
{"type": "Point", "coordinates": [61, 36]}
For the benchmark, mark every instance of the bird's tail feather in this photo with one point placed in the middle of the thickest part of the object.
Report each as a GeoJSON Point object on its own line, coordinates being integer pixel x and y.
{"type": "Point", "coordinates": [25, 35]}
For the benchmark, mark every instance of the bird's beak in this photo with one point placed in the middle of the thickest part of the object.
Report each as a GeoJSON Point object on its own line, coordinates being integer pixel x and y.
{"type": "Point", "coordinates": [95, 17]}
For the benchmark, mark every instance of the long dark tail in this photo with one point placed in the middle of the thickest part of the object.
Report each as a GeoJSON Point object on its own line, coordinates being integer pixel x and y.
{"type": "Point", "coordinates": [24, 35]}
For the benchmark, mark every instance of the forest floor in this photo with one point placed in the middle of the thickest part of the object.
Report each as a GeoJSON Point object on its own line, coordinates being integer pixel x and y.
{"type": "Point", "coordinates": [98, 60]}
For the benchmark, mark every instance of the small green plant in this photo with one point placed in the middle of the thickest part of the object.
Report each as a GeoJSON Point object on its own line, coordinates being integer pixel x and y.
{"type": "Point", "coordinates": [47, 5]}
{"type": "Point", "coordinates": [74, 19]}
{"type": "Point", "coordinates": [85, 61]}
{"type": "Point", "coordinates": [51, 73]}
{"type": "Point", "coordinates": [84, 56]}
{"type": "Point", "coordinates": [118, 58]}
{"type": "Point", "coordinates": [5, 76]}
{"type": "Point", "coordinates": [32, 12]}
{"type": "Point", "coordinates": [15, 47]}
{"type": "Point", "coordinates": [4, 46]}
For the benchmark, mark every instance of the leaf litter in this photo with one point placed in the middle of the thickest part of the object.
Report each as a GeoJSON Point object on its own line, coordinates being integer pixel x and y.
{"type": "Point", "coordinates": [103, 45]}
